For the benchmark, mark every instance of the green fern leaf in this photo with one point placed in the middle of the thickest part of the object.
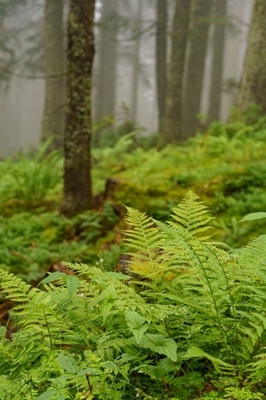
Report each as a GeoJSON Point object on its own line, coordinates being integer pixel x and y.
{"type": "Point", "coordinates": [192, 215]}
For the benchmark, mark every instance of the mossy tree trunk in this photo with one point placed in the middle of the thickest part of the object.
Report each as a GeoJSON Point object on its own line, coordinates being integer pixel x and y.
{"type": "Point", "coordinates": [201, 10]}
{"type": "Point", "coordinates": [252, 90]}
{"type": "Point", "coordinates": [54, 54]}
{"type": "Point", "coordinates": [80, 53]}
{"type": "Point", "coordinates": [161, 56]}
{"type": "Point", "coordinates": [173, 113]}
{"type": "Point", "coordinates": [220, 8]}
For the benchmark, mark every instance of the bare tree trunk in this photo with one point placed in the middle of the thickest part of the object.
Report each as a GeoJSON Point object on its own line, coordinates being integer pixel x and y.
{"type": "Point", "coordinates": [53, 115]}
{"type": "Point", "coordinates": [173, 114]}
{"type": "Point", "coordinates": [201, 10]}
{"type": "Point", "coordinates": [106, 80]}
{"type": "Point", "coordinates": [135, 77]}
{"type": "Point", "coordinates": [161, 59]}
{"type": "Point", "coordinates": [80, 53]}
{"type": "Point", "coordinates": [252, 90]}
{"type": "Point", "coordinates": [218, 58]}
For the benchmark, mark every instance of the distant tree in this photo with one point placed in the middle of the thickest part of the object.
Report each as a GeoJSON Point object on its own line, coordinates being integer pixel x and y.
{"type": "Point", "coordinates": [54, 56]}
{"type": "Point", "coordinates": [172, 124]}
{"type": "Point", "coordinates": [220, 7]}
{"type": "Point", "coordinates": [200, 15]}
{"type": "Point", "coordinates": [161, 60]}
{"type": "Point", "coordinates": [80, 52]}
{"type": "Point", "coordinates": [252, 90]}
{"type": "Point", "coordinates": [136, 61]}
{"type": "Point", "coordinates": [106, 74]}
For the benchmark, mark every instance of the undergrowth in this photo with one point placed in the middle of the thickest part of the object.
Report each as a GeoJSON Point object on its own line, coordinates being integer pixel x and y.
{"type": "Point", "coordinates": [185, 319]}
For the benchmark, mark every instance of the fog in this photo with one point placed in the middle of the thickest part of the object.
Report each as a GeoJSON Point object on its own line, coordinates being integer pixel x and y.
{"type": "Point", "coordinates": [22, 99]}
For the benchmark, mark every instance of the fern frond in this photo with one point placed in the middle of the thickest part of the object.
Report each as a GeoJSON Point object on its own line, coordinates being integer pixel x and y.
{"type": "Point", "coordinates": [144, 236]}
{"type": "Point", "coordinates": [192, 215]}
{"type": "Point", "coordinates": [13, 288]}
{"type": "Point", "coordinates": [253, 257]}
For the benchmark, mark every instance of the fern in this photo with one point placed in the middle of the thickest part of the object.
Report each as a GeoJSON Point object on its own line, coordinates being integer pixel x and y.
{"type": "Point", "coordinates": [192, 215]}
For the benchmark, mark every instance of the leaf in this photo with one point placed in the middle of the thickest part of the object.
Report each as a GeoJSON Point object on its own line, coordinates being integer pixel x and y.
{"type": "Point", "coordinates": [53, 277]}
{"type": "Point", "coordinates": [72, 283]}
{"type": "Point", "coordinates": [135, 323]}
{"type": "Point", "coordinates": [219, 365]}
{"type": "Point", "coordinates": [68, 363]}
{"type": "Point", "coordinates": [165, 366]}
{"type": "Point", "coordinates": [253, 216]}
{"type": "Point", "coordinates": [49, 394]}
{"type": "Point", "coordinates": [106, 308]}
{"type": "Point", "coordinates": [110, 365]}
{"type": "Point", "coordinates": [161, 345]}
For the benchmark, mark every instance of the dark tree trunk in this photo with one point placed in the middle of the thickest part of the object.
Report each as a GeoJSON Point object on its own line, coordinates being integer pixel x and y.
{"type": "Point", "coordinates": [218, 58]}
{"type": "Point", "coordinates": [173, 115]}
{"type": "Point", "coordinates": [161, 56]}
{"type": "Point", "coordinates": [106, 80]}
{"type": "Point", "coordinates": [54, 52]}
{"type": "Point", "coordinates": [201, 10]}
{"type": "Point", "coordinates": [252, 90]}
{"type": "Point", "coordinates": [80, 52]}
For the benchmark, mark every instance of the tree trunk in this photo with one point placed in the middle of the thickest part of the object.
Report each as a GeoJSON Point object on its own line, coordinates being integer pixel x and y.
{"type": "Point", "coordinates": [135, 77]}
{"type": "Point", "coordinates": [173, 115]}
{"type": "Point", "coordinates": [161, 56]}
{"type": "Point", "coordinates": [218, 58]}
{"type": "Point", "coordinates": [106, 80]}
{"type": "Point", "coordinates": [201, 10]}
{"type": "Point", "coordinates": [80, 52]}
{"type": "Point", "coordinates": [53, 115]}
{"type": "Point", "coordinates": [252, 90]}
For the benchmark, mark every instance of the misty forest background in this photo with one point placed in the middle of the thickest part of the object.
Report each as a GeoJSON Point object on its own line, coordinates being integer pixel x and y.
{"type": "Point", "coordinates": [132, 199]}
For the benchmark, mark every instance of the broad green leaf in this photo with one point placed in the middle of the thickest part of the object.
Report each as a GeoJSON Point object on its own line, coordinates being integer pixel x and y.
{"type": "Point", "coordinates": [106, 308]}
{"type": "Point", "coordinates": [161, 345]}
{"type": "Point", "coordinates": [134, 319]}
{"type": "Point", "coordinates": [165, 366]}
{"type": "Point", "coordinates": [49, 394]}
{"type": "Point", "coordinates": [72, 283]}
{"type": "Point", "coordinates": [68, 363]}
{"type": "Point", "coordinates": [254, 216]}
{"type": "Point", "coordinates": [135, 323]}
{"type": "Point", "coordinates": [53, 277]}
{"type": "Point", "coordinates": [110, 365]}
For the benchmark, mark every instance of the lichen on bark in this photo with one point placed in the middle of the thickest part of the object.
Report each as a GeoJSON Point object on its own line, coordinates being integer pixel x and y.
{"type": "Point", "coordinates": [252, 90]}
{"type": "Point", "coordinates": [80, 53]}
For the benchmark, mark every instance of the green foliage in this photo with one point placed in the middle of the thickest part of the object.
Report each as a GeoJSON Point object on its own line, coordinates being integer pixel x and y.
{"type": "Point", "coordinates": [28, 181]}
{"type": "Point", "coordinates": [190, 314]}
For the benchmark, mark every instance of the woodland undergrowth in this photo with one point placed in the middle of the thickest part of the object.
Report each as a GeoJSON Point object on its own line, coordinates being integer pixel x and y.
{"type": "Point", "coordinates": [183, 318]}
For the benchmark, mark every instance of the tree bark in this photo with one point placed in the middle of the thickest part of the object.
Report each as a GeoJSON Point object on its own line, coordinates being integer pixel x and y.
{"type": "Point", "coordinates": [80, 53]}
{"type": "Point", "coordinates": [135, 77]}
{"type": "Point", "coordinates": [161, 60]}
{"type": "Point", "coordinates": [105, 101]}
{"type": "Point", "coordinates": [201, 10]}
{"type": "Point", "coordinates": [173, 114]}
{"type": "Point", "coordinates": [252, 90]}
{"type": "Point", "coordinates": [218, 58]}
{"type": "Point", "coordinates": [54, 52]}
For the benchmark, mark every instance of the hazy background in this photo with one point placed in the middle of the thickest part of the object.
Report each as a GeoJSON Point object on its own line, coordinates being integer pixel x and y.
{"type": "Point", "coordinates": [22, 100]}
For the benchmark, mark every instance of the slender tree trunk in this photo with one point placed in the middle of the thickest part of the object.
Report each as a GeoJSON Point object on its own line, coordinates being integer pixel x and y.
{"type": "Point", "coordinates": [135, 77]}
{"type": "Point", "coordinates": [54, 52]}
{"type": "Point", "coordinates": [105, 101]}
{"type": "Point", "coordinates": [173, 126]}
{"type": "Point", "coordinates": [252, 90]}
{"type": "Point", "coordinates": [218, 58]}
{"type": "Point", "coordinates": [80, 52]}
{"type": "Point", "coordinates": [161, 59]}
{"type": "Point", "coordinates": [201, 10]}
